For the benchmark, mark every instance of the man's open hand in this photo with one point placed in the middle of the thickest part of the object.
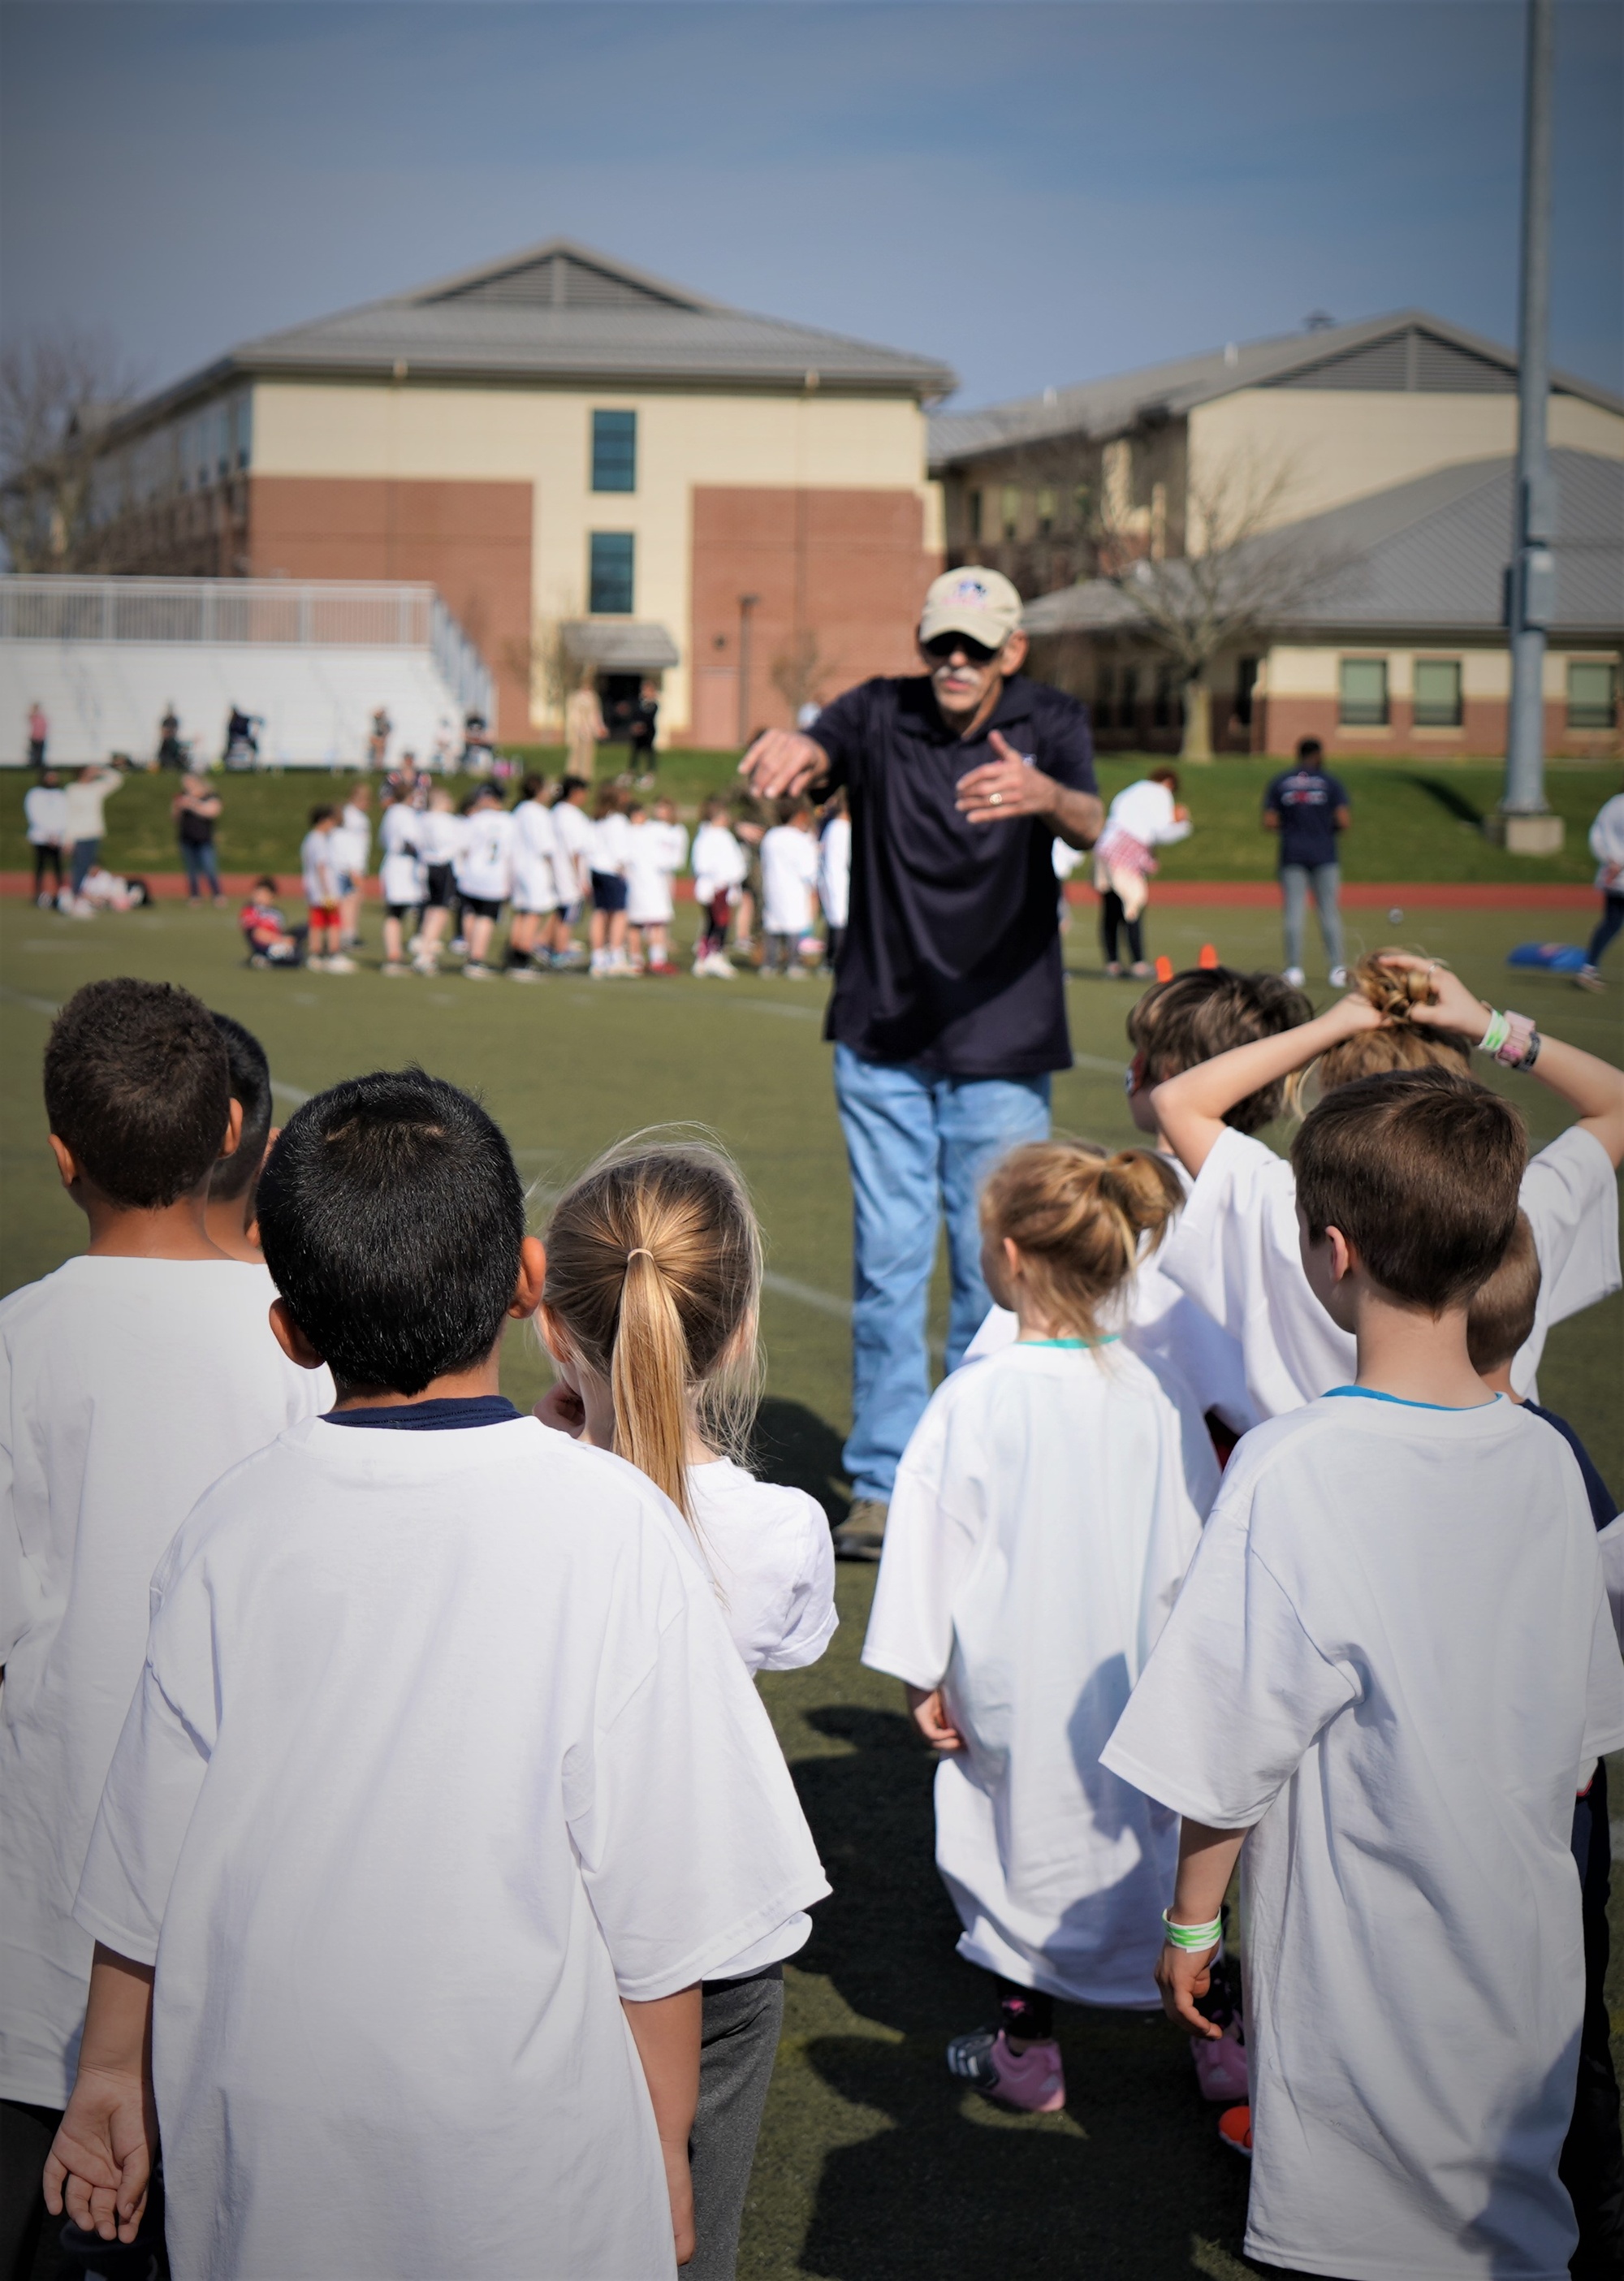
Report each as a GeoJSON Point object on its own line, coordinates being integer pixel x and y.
{"type": "Point", "coordinates": [783, 762]}
{"type": "Point", "coordinates": [1005, 787]}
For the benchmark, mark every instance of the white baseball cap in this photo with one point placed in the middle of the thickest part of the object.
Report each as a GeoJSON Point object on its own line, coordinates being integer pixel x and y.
{"type": "Point", "coordinates": [973, 600]}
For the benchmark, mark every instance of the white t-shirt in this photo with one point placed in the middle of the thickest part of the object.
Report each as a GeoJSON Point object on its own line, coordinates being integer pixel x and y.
{"type": "Point", "coordinates": [771, 1557]}
{"type": "Point", "coordinates": [789, 873]}
{"type": "Point", "coordinates": [1044, 1513]}
{"type": "Point", "coordinates": [834, 869]}
{"type": "Point", "coordinates": [535, 848]}
{"type": "Point", "coordinates": [1161, 1323]}
{"type": "Point", "coordinates": [1393, 1656]}
{"type": "Point", "coordinates": [126, 1386]}
{"type": "Point", "coordinates": [440, 835]}
{"type": "Point", "coordinates": [648, 874]}
{"type": "Point", "coordinates": [442, 1749]}
{"type": "Point", "coordinates": [355, 829]}
{"type": "Point", "coordinates": [1235, 1249]}
{"type": "Point", "coordinates": [572, 828]}
{"type": "Point", "coordinates": [1607, 846]}
{"type": "Point", "coordinates": [322, 864]}
{"type": "Point", "coordinates": [1145, 812]}
{"type": "Point", "coordinates": [607, 845]}
{"type": "Point", "coordinates": [402, 871]}
{"type": "Point", "coordinates": [85, 804]}
{"type": "Point", "coordinates": [44, 809]}
{"type": "Point", "coordinates": [484, 858]}
{"type": "Point", "coordinates": [719, 863]}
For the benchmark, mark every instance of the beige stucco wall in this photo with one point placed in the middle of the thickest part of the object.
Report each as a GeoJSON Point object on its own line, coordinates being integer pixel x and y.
{"type": "Point", "coordinates": [544, 436]}
{"type": "Point", "coordinates": [1336, 444]}
{"type": "Point", "coordinates": [1485, 673]}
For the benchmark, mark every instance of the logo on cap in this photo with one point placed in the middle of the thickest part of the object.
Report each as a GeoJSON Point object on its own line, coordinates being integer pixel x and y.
{"type": "Point", "coordinates": [967, 589]}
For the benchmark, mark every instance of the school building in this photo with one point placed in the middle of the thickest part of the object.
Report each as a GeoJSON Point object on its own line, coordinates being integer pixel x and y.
{"type": "Point", "coordinates": [1383, 450]}
{"type": "Point", "coordinates": [604, 477]}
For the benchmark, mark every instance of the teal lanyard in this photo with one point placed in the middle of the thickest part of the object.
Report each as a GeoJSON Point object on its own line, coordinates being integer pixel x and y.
{"type": "Point", "coordinates": [1109, 1340]}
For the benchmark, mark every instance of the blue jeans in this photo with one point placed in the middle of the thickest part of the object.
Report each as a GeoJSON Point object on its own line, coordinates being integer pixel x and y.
{"type": "Point", "coordinates": [202, 867]}
{"type": "Point", "coordinates": [1609, 924]}
{"type": "Point", "coordinates": [1327, 880]}
{"type": "Point", "coordinates": [81, 862]}
{"type": "Point", "coordinates": [918, 1145]}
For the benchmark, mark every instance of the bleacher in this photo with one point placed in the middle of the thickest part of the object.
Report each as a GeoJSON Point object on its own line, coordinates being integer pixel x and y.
{"type": "Point", "coordinates": [108, 657]}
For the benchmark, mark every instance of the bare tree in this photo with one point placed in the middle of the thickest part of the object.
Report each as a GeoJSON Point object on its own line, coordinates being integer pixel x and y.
{"type": "Point", "coordinates": [545, 665]}
{"type": "Point", "coordinates": [801, 671]}
{"type": "Point", "coordinates": [1244, 571]}
{"type": "Point", "coordinates": [58, 392]}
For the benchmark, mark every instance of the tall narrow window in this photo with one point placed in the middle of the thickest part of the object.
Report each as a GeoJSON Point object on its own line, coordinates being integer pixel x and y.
{"type": "Point", "coordinates": [1246, 682]}
{"type": "Point", "coordinates": [1104, 696]}
{"type": "Point", "coordinates": [1437, 692]}
{"type": "Point", "coordinates": [972, 508]}
{"type": "Point", "coordinates": [1127, 717]}
{"type": "Point", "coordinates": [1046, 514]}
{"type": "Point", "coordinates": [245, 430]}
{"type": "Point", "coordinates": [1592, 692]}
{"type": "Point", "coordinates": [614, 451]}
{"type": "Point", "coordinates": [612, 568]}
{"type": "Point", "coordinates": [1363, 693]}
{"type": "Point", "coordinates": [1010, 512]}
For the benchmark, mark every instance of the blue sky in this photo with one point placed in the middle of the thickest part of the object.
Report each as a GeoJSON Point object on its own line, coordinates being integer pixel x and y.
{"type": "Point", "coordinates": [1038, 194]}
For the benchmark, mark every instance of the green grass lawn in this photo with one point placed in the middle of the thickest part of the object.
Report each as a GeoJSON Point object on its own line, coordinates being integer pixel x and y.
{"type": "Point", "coordinates": [872, 2165]}
{"type": "Point", "coordinates": [1412, 819]}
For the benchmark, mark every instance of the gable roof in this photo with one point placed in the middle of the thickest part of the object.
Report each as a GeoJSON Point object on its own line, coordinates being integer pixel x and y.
{"type": "Point", "coordinates": [562, 312]}
{"type": "Point", "coordinates": [1426, 558]}
{"type": "Point", "coordinates": [1410, 349]}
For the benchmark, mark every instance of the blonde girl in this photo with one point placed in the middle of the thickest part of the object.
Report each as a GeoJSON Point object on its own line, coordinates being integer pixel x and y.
{"type": "Point", "coordinates": [649, 1311]}
{"type": "Point", "coordinates": [1044, 1514]}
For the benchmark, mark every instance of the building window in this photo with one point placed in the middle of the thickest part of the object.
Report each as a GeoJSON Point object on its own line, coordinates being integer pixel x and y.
{"type": "Point", "coordinates": [1592, 693]}
{"type": "Point", "coordinates": [615, 452]}
{"type": "Point", "coordinates": [1364, 692]}
{"type": "Point", "coordinates": [973, 509]}
{"type": "Point", "coordinates": [612, 562]}
{"type": "Point", "coordinates": [1246, 682]}
{"type": "Point", "coordinates": [1437, 692]}
{"type": "Point", "coordinates": [245, 430]}
{"type": "Point", "coordinates": [1104, 696]}
{"type": "Point", "coordinates": [1046, 514]}
{"type": "Point", "coordinates": [1127, 717]}
{"type": "Point", "coordinates": [1161, 716]}
{"type": "Point", "coordinates": [1010, 514]}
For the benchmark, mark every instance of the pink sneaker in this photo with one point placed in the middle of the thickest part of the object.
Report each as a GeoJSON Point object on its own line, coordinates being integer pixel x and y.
{"type": "Point", "coordinates": [1220, 2068]}
{"type": "Point", "coordinates": [1032, 2080]}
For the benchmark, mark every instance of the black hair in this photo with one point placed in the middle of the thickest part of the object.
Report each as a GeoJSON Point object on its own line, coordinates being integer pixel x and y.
{"type": "Point", "coordinates": [320, 815]}
{"type": "Point", "coordinates": [568, 787]}
{"type": "Point", "coordinates": [267, 879]}
{"type": "Point", "coordinates": [390, 1215]}
{"type": "Point", "coordinates": [531, 788]}
{"type": "Point", "coordinates": [137, 1086]}
{"type": "Point", "coordinates": [250, 1085]}
{"type": "Point", "coordinates": [1310, 748]}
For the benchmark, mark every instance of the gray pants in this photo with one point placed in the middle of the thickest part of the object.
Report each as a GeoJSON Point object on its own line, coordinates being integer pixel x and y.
{"type": "Point", "coordinates": [738, 2044]}
{"type": "Point", "coordinates": [1328, 880]}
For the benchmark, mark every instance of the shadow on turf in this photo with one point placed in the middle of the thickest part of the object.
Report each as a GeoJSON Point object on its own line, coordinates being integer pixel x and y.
{"type": "Point", "coordinates": [792, 1444]}
{"type": "Point", "coordinates": [1126, 2181]}
{"type": "Point", "coordinates": [1448, 797]}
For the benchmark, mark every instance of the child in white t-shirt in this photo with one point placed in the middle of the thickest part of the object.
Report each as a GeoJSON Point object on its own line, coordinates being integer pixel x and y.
{"type": "Point", "coordinates": [650, 1309]}
{"type": "Point", "coordinates": [834, 872]}
{"type": "Point", "coordinates": [1389, 1669]}
{"type": "Point", "coordinates": [484, 860]}
{"type": "Point", "coordinates": [535, 883]}
{"type": "Point", "coordinates": [649, 907]}
{"type": "Point", "coordinates": [607, 853]}
{"type": "Point", "coordinates": [326, 882]}
{"type": "Point", "coordinates": [572, 833]}
{"type": "Point", "coordinates": [1045, 1510]}
{"type": "Point", "coordinates": [720, 869]}
{"type": "Point", "coordinates": [789, 881]}
{"type": "Point", "coordinates": [442, 1792]}
{"type": "Point", "coordinates": [133, 1376]}
{"type": "Point", "coordinates": [355, 826]}
{"type": "Point", "coordinates": [1234, 1250]}
{"type": "Point", "coordinates": [439, 838]}
{"type": "Point", "coordinates": [1174, 1026]}
{"type": "Point", "coordinates": [403, 875]}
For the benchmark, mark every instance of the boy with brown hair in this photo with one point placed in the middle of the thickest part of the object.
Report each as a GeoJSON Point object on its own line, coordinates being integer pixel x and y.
{"type": "Point", "coordinates": [1391, 1668]}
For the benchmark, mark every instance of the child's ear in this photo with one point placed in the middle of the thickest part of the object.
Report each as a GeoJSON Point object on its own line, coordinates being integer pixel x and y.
{"type": "Point", "coordinates": [67, 1164]}
{"type": "Point", "coordinates": [1013, 1261]}
{"type": "Point", "coordinates": [291, 1340]}
{"type": "Point", "coordinates": [532, 1277]}
{"type": "Point", "coordinates": [234, 1128]}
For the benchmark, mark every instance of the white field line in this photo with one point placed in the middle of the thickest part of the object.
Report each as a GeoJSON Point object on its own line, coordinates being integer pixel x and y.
{"type": "Point", "coordinates": [805, 1295]}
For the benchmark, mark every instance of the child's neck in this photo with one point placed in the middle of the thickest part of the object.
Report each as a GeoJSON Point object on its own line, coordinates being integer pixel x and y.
{"type": "Point", "coordinates": [177, 1231]}
{"type": "Point", "coordinates": [455, 1386]}
{"type": "Point", "coordinates": [1035, 1327]}
{"type": "Point", "coordinates": [1498, 1380]}
{"type": "Point", "coordinates": [1417, 1356]}
{"type": "Point", "coordinates": [223, 1218]}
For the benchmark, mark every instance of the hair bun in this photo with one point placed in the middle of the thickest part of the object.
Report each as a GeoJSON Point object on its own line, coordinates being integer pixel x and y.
{"type": "Point", "coordinates": [1392, 990]}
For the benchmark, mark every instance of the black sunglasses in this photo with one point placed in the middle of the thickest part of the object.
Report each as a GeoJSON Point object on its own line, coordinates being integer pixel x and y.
{"type": "Point", "coordinates": [942, 647]}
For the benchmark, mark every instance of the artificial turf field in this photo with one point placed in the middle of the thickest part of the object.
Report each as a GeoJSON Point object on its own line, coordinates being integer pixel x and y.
{"type": "Point", "coordinates": [872, 2166]}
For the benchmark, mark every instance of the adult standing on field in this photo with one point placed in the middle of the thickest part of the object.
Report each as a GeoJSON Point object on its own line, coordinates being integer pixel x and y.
{"type": "Point", "coordinates": [87, 798]}
{"type": "Point", "coordinates": [949, 1011]}
{"type": "Point", "coordinates": [39, 735]}
{"type": "Point", "coordinates": [1607, 846]}
{"type": "Point", "coordinates": [584, 730]}
{"type": "Point", "coordinates": [1309, 808]}
{"type": "Point", "coordinates": [196, 808]}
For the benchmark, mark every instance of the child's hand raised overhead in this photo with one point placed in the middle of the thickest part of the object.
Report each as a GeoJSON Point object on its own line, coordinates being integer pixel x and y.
{"type": "Point", "coordinates": [1447, 1004]}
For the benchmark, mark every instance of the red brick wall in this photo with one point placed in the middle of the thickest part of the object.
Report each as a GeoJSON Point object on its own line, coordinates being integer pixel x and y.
{"type": "Point", "coordinates": [847, 570]}
{"type": "Point", "coordinates": [1277, 722]}
{"type": "Point", "coordinates": [471, 540]}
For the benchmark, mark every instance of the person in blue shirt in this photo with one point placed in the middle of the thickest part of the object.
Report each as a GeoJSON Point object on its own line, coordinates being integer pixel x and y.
{"type": "Point", "coordinates": [1309, 807]}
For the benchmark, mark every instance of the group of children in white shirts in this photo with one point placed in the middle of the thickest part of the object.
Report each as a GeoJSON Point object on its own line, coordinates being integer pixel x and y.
{"type": "Point", "coordinates": [443, 1854]}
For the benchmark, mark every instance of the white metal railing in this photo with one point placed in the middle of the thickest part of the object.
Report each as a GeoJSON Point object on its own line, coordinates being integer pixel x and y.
{"type": "Point", "coordinates": [285, 611]}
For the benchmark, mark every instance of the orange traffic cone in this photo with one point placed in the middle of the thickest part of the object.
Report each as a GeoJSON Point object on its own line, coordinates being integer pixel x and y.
{"type": "Point", "coordinates": [1164, 969]}
{"type": "Point", "coordinates": [1208, 956]}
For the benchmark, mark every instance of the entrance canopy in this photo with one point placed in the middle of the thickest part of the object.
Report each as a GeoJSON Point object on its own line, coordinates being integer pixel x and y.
{"type": "Point", "coordinates": [620, 646]}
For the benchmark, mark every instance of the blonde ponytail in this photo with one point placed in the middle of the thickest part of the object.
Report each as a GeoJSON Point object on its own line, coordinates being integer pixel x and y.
{"type": "Point", "coordinates": [1081, 1219]}
{"type": "Point", "coordinates": [654, 1277]}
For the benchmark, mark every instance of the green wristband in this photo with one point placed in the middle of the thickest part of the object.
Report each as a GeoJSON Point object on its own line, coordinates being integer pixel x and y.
{"type": "Point", "coordinates": [1202, 1936]}
{"type": "Point", "coordinates": [1495, 1035]}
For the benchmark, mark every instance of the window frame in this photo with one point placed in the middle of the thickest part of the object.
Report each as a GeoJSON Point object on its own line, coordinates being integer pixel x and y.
{"type": "Point", "coordinates": [1358, 714]}
{"type": "Point", "coordinates": [1434, 720]}
{"type": "Point", "coordinates": [623, 432]}
{"type": "Point", "coordinates": [599, 575]}
{"type": "Point", "coordinates": [1591, 719]}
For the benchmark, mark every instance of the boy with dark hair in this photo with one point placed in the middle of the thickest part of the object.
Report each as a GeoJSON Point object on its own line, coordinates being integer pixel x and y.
{"type": "Point", "coordinates": [129, 1380]}
{"type": "Point", "coordinates": [327, 882]}
{"type": "Point", "coordinates": [442, 1756]}
{"type": "Point", "coordinates": [1391, 1668]}
{"type": "Point", "coordinates": [271, 941]}
{"type": "Point", "coordinates": [229, 1213]}
{"type": "Point", "coordinates": [1499, 1323]}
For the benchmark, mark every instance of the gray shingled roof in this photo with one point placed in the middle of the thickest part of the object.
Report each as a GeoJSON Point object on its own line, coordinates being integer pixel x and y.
{"type": "Point", "coordinates": [562, 312]}
{"type": "Point", "coordinates": [1426, 557]}
{"type": "Point", "coordinates": [1444, 356]}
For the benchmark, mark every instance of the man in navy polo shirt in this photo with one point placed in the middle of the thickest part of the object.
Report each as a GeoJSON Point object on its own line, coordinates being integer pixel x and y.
{"type": "Point", "coordinates": [1309, 808]}
{"type": "Point", "coordinates": [949, 1011]}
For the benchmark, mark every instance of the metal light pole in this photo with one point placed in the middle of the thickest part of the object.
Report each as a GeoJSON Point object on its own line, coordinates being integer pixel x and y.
{"type": "Point", "coordinates": [1525, 822]}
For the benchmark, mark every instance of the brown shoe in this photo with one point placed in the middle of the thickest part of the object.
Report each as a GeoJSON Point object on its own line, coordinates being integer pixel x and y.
{"type": "Point", "coordinates": [861, 1535]}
